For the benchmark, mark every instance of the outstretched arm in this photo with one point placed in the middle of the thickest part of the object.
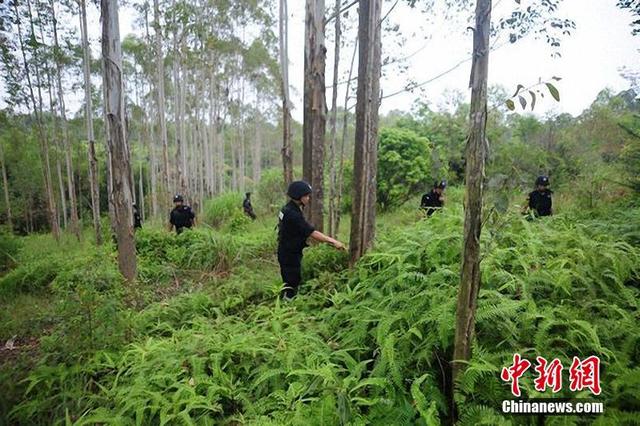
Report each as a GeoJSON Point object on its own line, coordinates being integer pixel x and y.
{"type": "Point", "coordinates": [319, 236]}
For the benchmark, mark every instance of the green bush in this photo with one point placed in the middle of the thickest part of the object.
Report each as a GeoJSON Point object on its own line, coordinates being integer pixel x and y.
{"type": "Point", "coordinates": [271, 191]}
{"type": "Point", "coordinates": [223, 209]}
{"type": "Point", "coordinates": [31, 276]}
{"type": "Point", "coordinates": [323, 258]}
{"type": "Point", "coordinates": [403, 166]}
{"type": "Point", "coordinates": [10, 246]}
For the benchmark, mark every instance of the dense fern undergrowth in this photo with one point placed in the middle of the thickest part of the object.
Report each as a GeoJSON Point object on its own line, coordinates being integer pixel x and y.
{"type": "Point", "coordinates": [203, 339]}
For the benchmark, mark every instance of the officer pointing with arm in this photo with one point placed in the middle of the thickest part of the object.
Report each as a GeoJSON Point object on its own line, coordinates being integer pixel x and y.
{"type": "Point", "coordinates": [181, 216]}
{"type": "Point", "coordinates": [293, 231]}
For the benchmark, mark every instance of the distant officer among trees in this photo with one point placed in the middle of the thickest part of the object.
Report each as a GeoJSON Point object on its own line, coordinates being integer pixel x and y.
{"type": "Point", "coordinates": [137, 220]}
{"type": "Point", "coordinates": [435, 199]}
{"type": "Point", "coordinates": [247, 207]}
{"type": "Point", "coordinates": [293, 231]}
{"type": "Point", "coordinates": [539, 201]}
{"type": "Point", "coordinates": [181, 216]}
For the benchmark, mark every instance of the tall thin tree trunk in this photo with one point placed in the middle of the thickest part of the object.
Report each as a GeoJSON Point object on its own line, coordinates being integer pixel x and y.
{"type": "Point", "coordinates": [287, 156]}
{"type": "Point", "coordinates": [71, 187]}
{"type": "Point", "coordinates": [44, 143]}
{"type": "Point", "coordinates": [474, 173]}
{"type": "Point", "coordinates": [314, 124]}
{"type": "Point", "coordinates": [120, 162]}
{"type": "Point", "coordinates": [242, 157]}
{"type": "Point", "coordinates": [333, 181]}
{"type": "Point", "coordinates": [5, 187]}
{"type": "Point", "coordinates": [256, 157]}
{"type": "Point", "coordinates": [366, 139]}
{"type": "Point", "coordinates": [55, 132]}
{"type": "Point", "coordinates": [88, 110]}
{"type": "Point", "coordinates": [161, 100]}
{"type": "Point", "coordinates": [345, 121]}
{"type": "Point", "coordinates": [221, 157]}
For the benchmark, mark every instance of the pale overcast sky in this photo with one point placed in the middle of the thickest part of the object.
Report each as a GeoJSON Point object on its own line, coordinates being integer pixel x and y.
{"type": "Point", "coordinates": [591, 56]}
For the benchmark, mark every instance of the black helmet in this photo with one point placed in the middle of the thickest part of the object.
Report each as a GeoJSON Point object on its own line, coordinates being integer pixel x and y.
{"type": "Point", "coordinates": [442, 184]}
{"type": "Point", "coordinates": [298, 189]}
{"type": "Point", "coordinates": [177, 198]}
{"type": "Point", "coordinates": [247, 194]}
{"type": "Point", "coordinates": [542, 181]}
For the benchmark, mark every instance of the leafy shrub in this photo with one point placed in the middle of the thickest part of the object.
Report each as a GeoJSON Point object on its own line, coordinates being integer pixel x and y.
{"type": "Point", "coordinates": [9, 248]}
{"type": "Point", "coordinates": [223, 209]}
{"type": "Point", "coordinates": [403, 165]}
{"type": "Point", "coordinates": [323, 258]}
{"type": "Point", "coordinates": [31, 276]}
{"type": "Point", "coordinates": [271, 191]}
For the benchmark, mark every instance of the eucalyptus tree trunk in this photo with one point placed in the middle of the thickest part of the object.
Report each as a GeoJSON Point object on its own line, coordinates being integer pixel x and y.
{"type": "Point", "coordinates": [242, 157]}
{"type": "Point", "coordinates": [314, 121]}
{"type": "Point", "coordinates": [55, 137]}
{"type": "Point", "coordinates": [363, 213]}
{"type": "Point", "coordinates": [5, 187]}
{"type": "Point", "coordinates": [161, 100]}
{"type": "Point", "coordinates": [287, 156]}
{"type": "Point", "coordinates": [474, 173]}
{"type": "Point", "coordinates": [178, 102]}
{"type": "Point", "coordinates": [122, 196]}
{"type": "Point", "coordinates": [71, 187]}
{"type": "Point", "coordinates": [345, 118]}
{"type": "Point", "coordinates": [88, 110]}
{"type": "Point", "coordinates": [256, 154]}
{"type": "Point", "coordinates": [211, 142]}
{"type": "Point", "coordinates": [334, 210]}
{"type": "Point", "coordinates": [221, 162]}
{"type": "Point", "coordinates": [37, 110]}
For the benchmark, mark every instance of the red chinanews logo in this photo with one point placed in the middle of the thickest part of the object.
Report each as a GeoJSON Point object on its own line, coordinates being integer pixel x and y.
{"type": "Point", "coordinates": [582, 374]}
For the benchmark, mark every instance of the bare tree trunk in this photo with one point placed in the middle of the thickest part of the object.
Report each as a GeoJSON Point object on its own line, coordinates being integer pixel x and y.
{"type": "Point", "coordinates": [256, 157]}
{"type": "Point", "coordinates": [287, 156]}
{"type": "Point", "coordinates": [345, 118]}
{"type": "Point", "coordinates": [120, 165]}
{"type": "Point", "coordinates": [333, 183]}
{"type": "Point", "coordinates": [220, 144]}
{"type": "Point", "coordinates": [161, 99]}
{"type": "Point", "coordinates": [314, 124]}
{"type": "Point", "coordinates": [474, 173]}
{"type": "Point", "coordinates": [242, 157]}
{"type": "Point", "coordinates": [91, 151]}
{"type": "Point", "coordinates": [71, 187]}
{"type": "Point", "coordinates": [366, 140]}
{"type": "Point", "coordinates": [44, 143]}
{"type": "Point", "coordinates": [5, 187]}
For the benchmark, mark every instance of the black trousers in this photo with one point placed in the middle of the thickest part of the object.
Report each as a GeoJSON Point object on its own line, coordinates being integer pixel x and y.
{"type": "Point", "coordinates": [291, 277]}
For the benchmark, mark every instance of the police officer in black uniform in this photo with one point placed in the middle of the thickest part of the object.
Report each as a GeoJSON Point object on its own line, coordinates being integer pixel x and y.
{"type": "Point", "coordinates": [434, 199]}
{"type": "Point", "coordinates": [293, 231]}
{"type": "Point", "coordinates": [539, 201]}
{"type": "Point", "coordinates": [137, 220]}
{"type": "Point", "coordinates": [247, 207]}
{"type": "Point", "coordinates": [181, 216]}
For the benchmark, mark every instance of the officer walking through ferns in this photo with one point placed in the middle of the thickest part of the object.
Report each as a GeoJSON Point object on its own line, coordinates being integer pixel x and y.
{"type": "Point", "coordinates": [539, 201]}
{"type": "Point", "coordinates": [181, 216]}
{"type": "Point", "coordinates": [293, 231]}
{"type": "Point", "coordinates": [247, 207]}
{"type": "Point", "coordinates": [434, 199]}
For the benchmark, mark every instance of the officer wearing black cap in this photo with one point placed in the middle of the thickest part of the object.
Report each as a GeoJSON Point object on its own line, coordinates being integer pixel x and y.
{"type": "Point", "coordinates": [247, 207]}
{"type": "Point", "coordinates": [434, 199]}
{"type": "Point", "coordinates": [293, 231]}
{"type": "Point", "coordinates": [137, 220]}
{"type": "Point", "coordinates": [181, 216]}
{"type": "Point", "coordinates": [539, 201]}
